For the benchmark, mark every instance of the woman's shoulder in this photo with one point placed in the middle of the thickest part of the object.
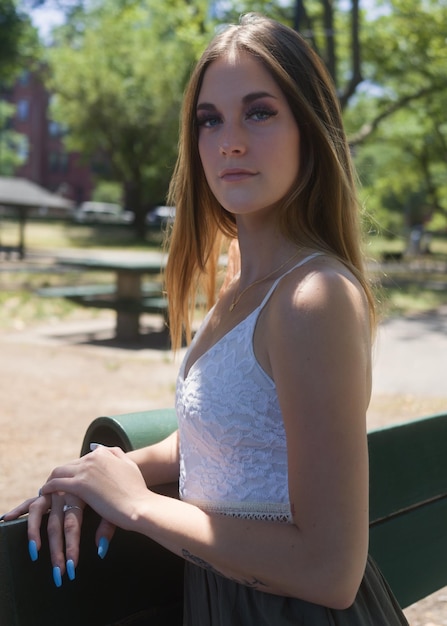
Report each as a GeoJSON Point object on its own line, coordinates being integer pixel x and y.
{"type": "Point", "coordinates": [317, 315]}
{"type": "Point", "coordinates": [321, 286]}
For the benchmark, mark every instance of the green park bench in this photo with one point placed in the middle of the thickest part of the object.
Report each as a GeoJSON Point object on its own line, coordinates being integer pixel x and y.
{"type": "Point", "coordinates": [408, 535]}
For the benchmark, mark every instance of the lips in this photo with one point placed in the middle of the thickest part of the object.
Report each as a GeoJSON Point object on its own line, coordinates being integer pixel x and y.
{"type": "Point", "coordinates": [236, 174]}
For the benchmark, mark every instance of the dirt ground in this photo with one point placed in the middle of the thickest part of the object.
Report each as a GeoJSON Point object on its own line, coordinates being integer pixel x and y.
{"type": "Point", "coordinates": [56, 378]}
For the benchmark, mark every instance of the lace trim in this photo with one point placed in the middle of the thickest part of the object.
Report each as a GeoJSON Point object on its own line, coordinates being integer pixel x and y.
{"type": "Point", "coordinates": [265, 511]}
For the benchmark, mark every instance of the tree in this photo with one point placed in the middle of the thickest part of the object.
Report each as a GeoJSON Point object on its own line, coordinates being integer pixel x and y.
{"type": "Point", "coordinates": [332, 29]}
{"type": "Point", "coordinates": [398, 124]}
{"type": "Point", "coordinates": [16, 35]}
{"type": "Point", "coordinates": [118, 73]}
{"type": "Point", "coordinates": [406, 63]}
{"type": "Point", "coordinates": [18, 46]}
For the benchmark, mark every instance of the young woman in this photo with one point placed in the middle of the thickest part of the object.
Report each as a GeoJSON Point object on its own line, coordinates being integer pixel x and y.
{"type": "Point", "coordinates": [271, 449]}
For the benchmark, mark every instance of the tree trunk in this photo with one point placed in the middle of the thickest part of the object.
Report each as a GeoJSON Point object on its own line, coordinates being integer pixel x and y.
{"type": "Point", "coordinates": [329, 34]}
{"type": "Point", "coordinates": [133, 202]}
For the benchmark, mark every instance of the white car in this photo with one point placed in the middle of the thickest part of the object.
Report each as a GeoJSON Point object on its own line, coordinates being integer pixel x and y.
{"type": "Point", "coordinates": [94, 212]}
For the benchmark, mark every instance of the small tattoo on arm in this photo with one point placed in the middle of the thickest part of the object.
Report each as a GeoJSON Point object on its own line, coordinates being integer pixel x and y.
{"type": "Point", "coordinates": [254, 583]}
{"type": "Point", "coordinates": [200, 562]}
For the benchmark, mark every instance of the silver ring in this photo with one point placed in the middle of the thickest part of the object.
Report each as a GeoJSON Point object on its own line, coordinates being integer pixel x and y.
{"type": "Point", "coordinates": [68, 507]}
{"type": "Point", "coordinates": [40, 493]}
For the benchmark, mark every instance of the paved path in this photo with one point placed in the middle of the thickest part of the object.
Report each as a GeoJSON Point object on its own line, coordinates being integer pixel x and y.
{"type": "Point", "coordinates": [411, 355]}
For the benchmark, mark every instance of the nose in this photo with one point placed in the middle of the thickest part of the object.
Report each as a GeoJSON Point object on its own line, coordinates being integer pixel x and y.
{"type": "Point", "coordinates": [232, 142]}
{"type": "Point", "coordinates": [226, 149]}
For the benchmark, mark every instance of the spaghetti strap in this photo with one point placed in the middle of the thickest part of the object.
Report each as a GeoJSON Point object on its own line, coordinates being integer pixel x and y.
{"type": "Point", "coordinates": [275, 284]}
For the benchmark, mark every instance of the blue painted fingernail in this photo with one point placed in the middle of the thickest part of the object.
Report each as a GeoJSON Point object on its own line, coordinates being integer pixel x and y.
{"type": "Point", "coordinates": [32, 549]}
{"type": "Point", "coordinates": [71, 569]}
{"type": "Point", "coordinates": [103, 546]}
{"type": "Point", "coordinates": [57, 577]}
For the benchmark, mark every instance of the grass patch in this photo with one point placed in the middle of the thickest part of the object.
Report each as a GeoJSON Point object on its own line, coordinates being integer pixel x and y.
{"type": "Point", "coordinates": [410, 299]}
{"type": "Point", "coordinates": [410, 285]}
{"type": "Point", "coordinates": [377, 245]}
{"type": "Point", "coordinates": [62, 234]}
{"type": "Point", "coordinates": [21, 306]}
{"type": "Point", "coordinates": [19, 309]}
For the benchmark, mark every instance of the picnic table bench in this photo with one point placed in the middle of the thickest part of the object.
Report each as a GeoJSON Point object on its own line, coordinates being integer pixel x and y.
{"type": "Point", "coordinates": [128, 296]}
{"type": "Point", "coordinates": [104, 296]}
{"type": "Point", "coordinates": [408, 535]}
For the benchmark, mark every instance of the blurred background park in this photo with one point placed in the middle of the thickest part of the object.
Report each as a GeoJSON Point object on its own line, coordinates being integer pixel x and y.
{"type": "Point", "coordinates": [90, 92]}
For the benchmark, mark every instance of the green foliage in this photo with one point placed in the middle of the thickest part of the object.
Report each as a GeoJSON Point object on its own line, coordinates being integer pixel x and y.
{"type": "Point", "coordinates": [21, 308]}
{"type": "Point", "coordinates": [398, 121]}
{"type": "Point", "coordinates": [108, 191]}
{"type": "Point", "coordinates": [11, 26]}
{"type": "Point", "coordinates": [118, 73]}
{"type": "Point", "coordinates": [18, 45]}
{"type": "Point", "coordinates": [230, 10]}
{"type": "Point", "coordinates": [18, 40]}
{"type": "Point", "coordinates": [13, 145]}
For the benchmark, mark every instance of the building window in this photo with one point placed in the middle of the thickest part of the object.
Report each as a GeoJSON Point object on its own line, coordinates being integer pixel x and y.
{"type": "Point", "coordinates": [53, 158]}
{"type": "Point", "coordinates": [63, 162]}
{"type": "Point", "coordinates": [22, 148]}
{"type": "Point", "coordinates": [58, 162]}
{"type": "Point", "coordinates": [24, 77]}
{"type": "Point", "coordinates": [22, 110]}
{"type": "Point", "coordinates": [54, 129]}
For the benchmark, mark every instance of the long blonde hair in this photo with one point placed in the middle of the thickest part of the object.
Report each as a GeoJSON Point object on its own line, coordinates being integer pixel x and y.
{"type": "Point", "coordinates": [322, 207]}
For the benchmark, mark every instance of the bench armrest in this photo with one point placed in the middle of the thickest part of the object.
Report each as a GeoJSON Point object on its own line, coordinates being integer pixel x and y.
{"type": "Point", "coordinates": [131, 430]}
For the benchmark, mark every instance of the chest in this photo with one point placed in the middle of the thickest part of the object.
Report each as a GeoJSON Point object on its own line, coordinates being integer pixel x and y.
{"type": "Point", "coordinates": [223, 329]}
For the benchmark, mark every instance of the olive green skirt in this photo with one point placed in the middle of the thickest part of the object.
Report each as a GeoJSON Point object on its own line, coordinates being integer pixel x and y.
{"type": "Point", "coordinates": [212, 600]}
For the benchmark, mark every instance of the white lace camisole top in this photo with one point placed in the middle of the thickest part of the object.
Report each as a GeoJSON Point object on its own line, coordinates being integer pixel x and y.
{"type": "Point", "coordinates": [233, 453]}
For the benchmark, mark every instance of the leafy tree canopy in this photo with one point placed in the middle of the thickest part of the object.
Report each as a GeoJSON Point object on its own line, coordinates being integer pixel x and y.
{"type": "Point", "coordinates": [118, 71]}
{"type": "Point", "coordinates": [18, 40]}
{"type": "Point", "coordinates": [18, 49]}
{"type": "Point", "coordinates": [398, 123]}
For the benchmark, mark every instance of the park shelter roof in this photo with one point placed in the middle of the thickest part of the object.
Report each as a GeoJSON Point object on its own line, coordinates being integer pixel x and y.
{"type": "Point", "coordinates": [22, 196]}
{"type": "Point", "coordinates": [20, 192]}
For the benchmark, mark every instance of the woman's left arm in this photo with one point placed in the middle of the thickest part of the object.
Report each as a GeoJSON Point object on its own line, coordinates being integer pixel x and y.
{"type": "Point", "coordinates": [322, 369]}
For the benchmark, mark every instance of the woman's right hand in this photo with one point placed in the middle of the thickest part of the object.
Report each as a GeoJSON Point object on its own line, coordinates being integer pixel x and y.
{"type": "Point", "coordinates": [65, 516]}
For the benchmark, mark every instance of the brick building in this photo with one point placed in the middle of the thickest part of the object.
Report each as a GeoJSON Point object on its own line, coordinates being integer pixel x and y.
{"type": "Point", "coordinates": [47, 162]}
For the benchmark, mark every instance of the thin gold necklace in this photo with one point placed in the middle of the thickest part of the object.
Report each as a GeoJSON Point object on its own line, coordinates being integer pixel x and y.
{"type": "Point", "coordinates": [260, 280]}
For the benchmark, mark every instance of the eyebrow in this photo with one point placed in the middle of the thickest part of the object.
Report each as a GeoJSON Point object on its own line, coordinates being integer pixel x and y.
{"type": "Point", "coordinates": [247, 99]}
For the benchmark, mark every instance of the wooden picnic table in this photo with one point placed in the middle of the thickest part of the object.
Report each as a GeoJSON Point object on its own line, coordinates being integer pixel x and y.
{"type": "Point", "coordinates": [128, 298]}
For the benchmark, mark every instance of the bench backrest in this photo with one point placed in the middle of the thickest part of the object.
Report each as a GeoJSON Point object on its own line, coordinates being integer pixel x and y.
{"type": "Point", "coordinates": [408, 506]}
{"type": "Point", "coordinates": [408, 494]}
{"type": "Point", "coordinates": [408, 512]}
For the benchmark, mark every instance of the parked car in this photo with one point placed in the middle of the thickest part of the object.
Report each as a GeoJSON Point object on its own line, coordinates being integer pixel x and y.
{"type": "Point", "coordinates": [100, 212]}
{"type": "Point", "coordinates": [161, 216]}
